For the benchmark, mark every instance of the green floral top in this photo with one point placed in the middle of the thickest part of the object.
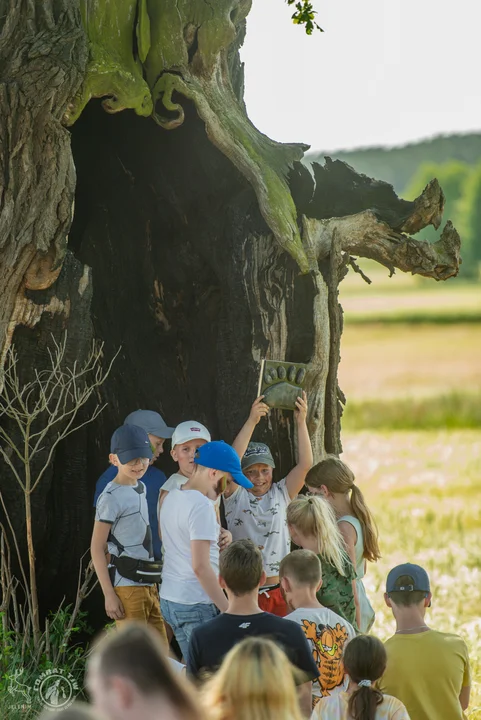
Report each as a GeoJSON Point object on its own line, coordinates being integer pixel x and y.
{"type": "Point", "coordinates": [336, 591]}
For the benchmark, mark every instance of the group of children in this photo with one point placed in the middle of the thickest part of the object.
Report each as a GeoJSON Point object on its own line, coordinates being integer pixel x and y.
{"type": "Point", "coordinates": [216, 537]}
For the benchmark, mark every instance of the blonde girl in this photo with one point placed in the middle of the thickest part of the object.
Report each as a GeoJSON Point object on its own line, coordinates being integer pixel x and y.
{"type": "Point", "coordinates": [334, 480]}
{"type": "Point", "coordinates": [254, 682]}
{"type": "Point", "coordinates": [312, 526]}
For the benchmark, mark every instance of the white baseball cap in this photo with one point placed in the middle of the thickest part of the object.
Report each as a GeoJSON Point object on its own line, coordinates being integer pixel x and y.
{"type": "Point", "coordinates": [190, 430]}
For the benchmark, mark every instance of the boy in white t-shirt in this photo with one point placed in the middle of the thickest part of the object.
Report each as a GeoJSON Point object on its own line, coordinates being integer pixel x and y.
{"type": "Point", "coordinates": [188, 437]}
{"type": "Point", "coordinates": [260, 513]}
{"type": "Point", "coordinates": [327, 633]}
{"type": "Point", "coordinates": [190, 593]}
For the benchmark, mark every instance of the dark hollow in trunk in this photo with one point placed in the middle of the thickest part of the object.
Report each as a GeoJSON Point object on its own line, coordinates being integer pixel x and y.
{"type": "Point", "coordinates": [187, 281]}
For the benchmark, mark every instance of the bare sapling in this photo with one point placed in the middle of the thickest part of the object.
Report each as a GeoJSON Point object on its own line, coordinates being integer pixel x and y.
{"type": "Point", "coordinates": [44, 412]}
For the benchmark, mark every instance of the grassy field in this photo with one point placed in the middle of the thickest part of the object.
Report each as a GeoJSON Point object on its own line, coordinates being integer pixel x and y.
{"type": "Point", "coordinates": [425, 490]}
{"type": "Point", "coordinates": [412, 433]}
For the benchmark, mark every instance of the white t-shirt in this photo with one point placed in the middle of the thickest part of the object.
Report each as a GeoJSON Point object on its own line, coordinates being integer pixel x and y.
{"type": "Point", "coordinates": [263, 520]}
{"type": "Point", "coordinates": [336, 708]}
{"type": "Point", "coordinates": [176, 666]}
{"type": "Point", "coordinates": [327, 634]}
{"type": "Point", "coordinates": [175, 482]}
{"type": "Point", "coordinates": [186, 515]}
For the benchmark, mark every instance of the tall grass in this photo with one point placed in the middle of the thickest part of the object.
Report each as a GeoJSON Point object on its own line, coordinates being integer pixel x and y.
{"type": "Point", "coordinates": [454, 410]}
{"type": "Point", "coordinates": [425, 491]}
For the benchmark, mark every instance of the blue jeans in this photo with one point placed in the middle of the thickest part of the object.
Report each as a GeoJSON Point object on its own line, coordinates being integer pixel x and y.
{"type": "Point", "coordinates": [183, 619]}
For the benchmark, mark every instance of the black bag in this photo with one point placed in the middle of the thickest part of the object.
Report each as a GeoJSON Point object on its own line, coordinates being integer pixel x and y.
{"type": "Point", "coordinates": [140, 571]}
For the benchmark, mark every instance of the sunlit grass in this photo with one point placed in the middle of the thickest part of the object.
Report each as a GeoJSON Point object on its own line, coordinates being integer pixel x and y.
{"type": "Point", "coordinates": [425, 490]}
{"type": "Point", "coordinates": [451, 411]}
{"type": "Point", "coordinates": [384, 362]}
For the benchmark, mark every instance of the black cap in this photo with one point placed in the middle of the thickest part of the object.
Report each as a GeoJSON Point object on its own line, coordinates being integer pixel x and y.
{"type": "Point", "coordinates": [418, 579]}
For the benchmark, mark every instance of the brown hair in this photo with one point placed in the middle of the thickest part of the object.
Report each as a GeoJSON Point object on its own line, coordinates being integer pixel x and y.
{"type": "Point", "coordinates": [339, 478]}
{"type": "Point", "coordinates": [314, 517]}
{"type": "Point", "coordinates": [135, 651]}
{"type": "Point", "coordinates": [77, 711]}
{"type": "Point", "coordinates": [303, 566]}
{"type": "Point", "coordinates": [405, 598]}
{"type": "Point", "coordinates": [364, 659]}
{"type": "Point", "coordinates": [254, 682]}
{"type": "Point", "coordinates": [241, 566]}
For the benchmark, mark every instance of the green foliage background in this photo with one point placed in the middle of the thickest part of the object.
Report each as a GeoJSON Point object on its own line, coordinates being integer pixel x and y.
{"type": "Point", "coordinates": [455, 160]}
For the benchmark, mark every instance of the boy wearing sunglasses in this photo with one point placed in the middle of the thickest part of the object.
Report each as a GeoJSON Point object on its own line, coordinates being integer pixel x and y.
{"type": "Point", "coordinates": [121, 547]}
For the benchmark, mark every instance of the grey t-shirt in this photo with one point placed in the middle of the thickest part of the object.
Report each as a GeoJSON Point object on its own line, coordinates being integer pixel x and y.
{"type": "Point", "coordinates": [124, 507]}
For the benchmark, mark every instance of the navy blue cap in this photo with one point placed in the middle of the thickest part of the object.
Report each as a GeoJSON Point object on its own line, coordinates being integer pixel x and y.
{"type": "Point", "coordinates": [418, 579]}
{"type": "Point", "coordinates": [130, 442]}
{"type": "Point", "coordinates": [218, 455]}
{"type": "Point", "coordinates": [151, 421]}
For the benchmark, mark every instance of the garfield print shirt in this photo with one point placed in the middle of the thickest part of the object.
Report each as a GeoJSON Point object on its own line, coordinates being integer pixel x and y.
{"type": "Point", "coordinates": [263, 520]}
{"type": "Point", "coordinates": [327, 634]}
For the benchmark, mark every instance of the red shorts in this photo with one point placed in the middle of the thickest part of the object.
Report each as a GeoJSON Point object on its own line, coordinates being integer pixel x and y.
{"type": "Point", "coordinates": [272, 601]}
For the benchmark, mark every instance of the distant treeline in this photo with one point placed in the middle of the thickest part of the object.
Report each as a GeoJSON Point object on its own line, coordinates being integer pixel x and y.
{"type": "Point", "coordinates": [455, 160]}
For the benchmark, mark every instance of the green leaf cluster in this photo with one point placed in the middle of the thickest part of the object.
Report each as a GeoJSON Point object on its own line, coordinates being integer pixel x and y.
{"type": "Point", "coordinates": [304, 14]}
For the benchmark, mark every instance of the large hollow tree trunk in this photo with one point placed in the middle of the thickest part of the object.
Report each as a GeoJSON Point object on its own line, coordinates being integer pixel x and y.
{"type": "Point", "coordinates": [198, 245]}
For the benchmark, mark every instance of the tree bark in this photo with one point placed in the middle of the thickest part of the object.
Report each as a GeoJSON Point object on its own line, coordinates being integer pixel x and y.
{"type": "Point", "coordinates": [198, 245]}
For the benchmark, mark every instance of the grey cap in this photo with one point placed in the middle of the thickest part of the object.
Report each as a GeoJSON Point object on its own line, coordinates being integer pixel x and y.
{"type": "Point", "coordinates": [419, 580]}
{"type": "Point", "coordinates": [151, 422]}
{"type": "Point", "coordinates": [257, 453]}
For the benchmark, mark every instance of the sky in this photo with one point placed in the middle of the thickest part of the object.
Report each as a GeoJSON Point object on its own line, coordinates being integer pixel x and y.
{"type": "Point", "coordinates": [384, 72]}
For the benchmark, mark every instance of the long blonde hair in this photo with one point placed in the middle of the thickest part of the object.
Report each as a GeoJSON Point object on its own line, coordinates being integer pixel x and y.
{"type": "Point", "coordinates": [339, 478]}
{"type": "Point", "coordinates": [254, 682]}
{"type": "Point", "coordinates": [314, 516]}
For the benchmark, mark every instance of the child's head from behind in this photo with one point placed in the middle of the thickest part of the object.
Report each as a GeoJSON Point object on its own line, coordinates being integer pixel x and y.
{"type": "Point", "coordinates": [128, 671]}
{"type": "Point", "coordinates": [330, 477]}
{"type": "Point", "coordinates": [364, 660]}
{"type": "Point", "coordinates": [299, 571]}
{"type": "Point", "coordinates": [408, 588]}
{"type": "Point", "coordinates": [130, 452]}
{"type": "Point", "coordinates": [335, 481]}
{"type": "Point", "coordinates": [254, 682]}
{"type": "Point", "coordinates": [257, 466]}
{"type": "Point", "coordinates": [77, 711]}
{"type": "Point", "coordinates": [241, 570]}
{"type": "Point", "coordinates": [188, 437]}
{"type": "Point", "coordinates": [312, 522]}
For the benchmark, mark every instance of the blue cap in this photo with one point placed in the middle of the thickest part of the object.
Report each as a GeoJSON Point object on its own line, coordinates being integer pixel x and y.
{"type": "Point", "coordinates": [218, 455]}
{"type": "Point", "coordinates": [418, 579]}
{"type": "Point", "coordinates": [130, 442]}
{"type": "Point", "coordinates": [151, 421]}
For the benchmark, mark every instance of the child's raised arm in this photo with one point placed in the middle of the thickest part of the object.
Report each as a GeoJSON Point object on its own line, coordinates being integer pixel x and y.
{"type": "Point", "coordinates": [295, 479]}
{"type": "Point", "coordinates": [259, 410]}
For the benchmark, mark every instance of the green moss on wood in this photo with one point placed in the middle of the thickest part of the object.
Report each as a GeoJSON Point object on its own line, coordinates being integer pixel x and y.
{"type": "Point", "coordinates": [182, 46]}
{"type": "Point", "coordinates": [113, 72]}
